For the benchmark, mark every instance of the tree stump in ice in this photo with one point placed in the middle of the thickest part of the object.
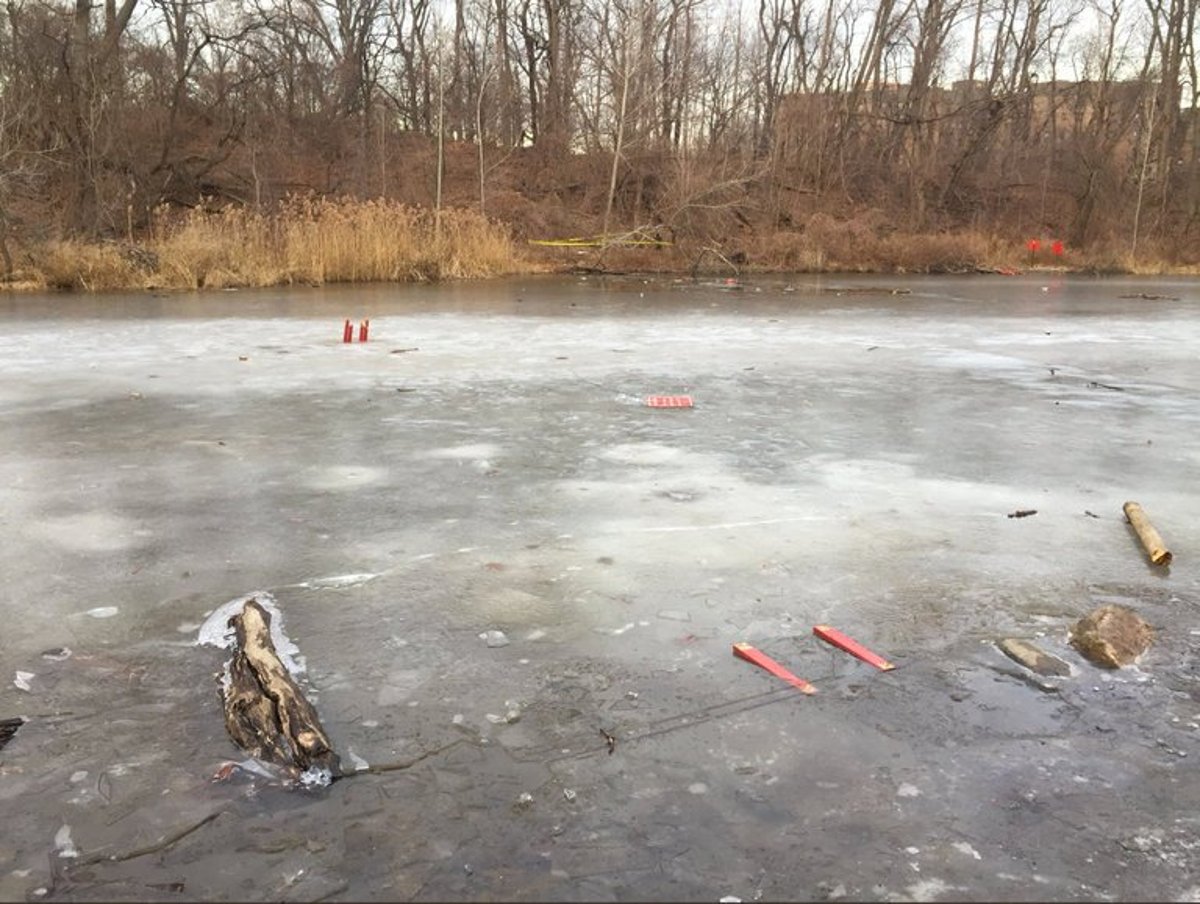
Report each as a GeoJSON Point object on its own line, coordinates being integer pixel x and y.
{"type": "Point", "coordinates": [265, 711]}
{"type": "Point", "coordinates": [1111, 636]}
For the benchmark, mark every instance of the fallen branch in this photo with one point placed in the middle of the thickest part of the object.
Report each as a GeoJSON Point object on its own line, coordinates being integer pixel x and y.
{"type": "Point", "coordinates": [161, 845]}
{"type": "Point", "coordinates": [406, 764]}
{"type": "Point", "coordinates": [708, 249]}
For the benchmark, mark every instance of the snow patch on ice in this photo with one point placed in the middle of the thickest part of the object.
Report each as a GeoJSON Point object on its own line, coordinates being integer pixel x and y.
{"type": "Point", "coordinates": [103, 612]}
{"type": "Point", "coordinates": [316, 777]}
{"type": "Point", "coordinates": [964, 848]}
{"type": "Point", "coordinates": [925, 890]}
{"type": "Point", "coordinates": [63, 843]}
{"type": "Point", "coordinates": [21, 682]}
{"type": "Point", "coordinates": [466, 452]}
{"type": "Point", "coordinates": [338, 581]}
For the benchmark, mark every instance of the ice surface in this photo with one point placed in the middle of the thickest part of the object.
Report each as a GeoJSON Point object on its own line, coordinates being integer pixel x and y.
{"type": "Point", "coordinates": [518, 484]}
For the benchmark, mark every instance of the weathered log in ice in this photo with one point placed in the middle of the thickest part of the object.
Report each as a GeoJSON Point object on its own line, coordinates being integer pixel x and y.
{"type": "Point", "coordinates": [266, 713]}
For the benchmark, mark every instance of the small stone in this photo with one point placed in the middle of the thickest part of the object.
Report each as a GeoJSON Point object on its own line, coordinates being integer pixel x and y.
{"type": "Point", "coordinates": [525, 799]}
{"type": "Point", "coordinates": [569, 795]}
{"type": "Point", "coordinates": [494, 638]}
{"type": "Point", "coordinates": [1112, 636]}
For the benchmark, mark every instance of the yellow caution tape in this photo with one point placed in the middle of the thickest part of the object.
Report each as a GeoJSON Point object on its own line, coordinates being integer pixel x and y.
{"type": "Point", "coordinates": [595, 242]}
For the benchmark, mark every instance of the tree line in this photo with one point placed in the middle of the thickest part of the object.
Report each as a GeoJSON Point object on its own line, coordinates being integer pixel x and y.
{"type": "Point", "coordinates": [1077, 117]}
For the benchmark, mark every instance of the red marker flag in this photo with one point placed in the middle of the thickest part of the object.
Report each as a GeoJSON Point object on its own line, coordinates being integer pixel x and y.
{"type": "Point", "coordinates": [669, 401]}
{"type": "Point", "coordinates": [763, 661]}
{"type": "Point", "coordinates": [842, 642]}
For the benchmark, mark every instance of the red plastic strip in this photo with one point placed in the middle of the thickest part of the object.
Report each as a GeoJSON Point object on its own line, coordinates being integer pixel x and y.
{"type": "Point", "coordinates": [763, 661]}
{"type": "Point", "coordinates": [669, 401]}
{"type": "Point", "coordinates": [842, 642]}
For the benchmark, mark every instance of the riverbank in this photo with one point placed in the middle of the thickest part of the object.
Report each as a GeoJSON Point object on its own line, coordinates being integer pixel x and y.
{"type": "Point", "coordinates": [322, 241]}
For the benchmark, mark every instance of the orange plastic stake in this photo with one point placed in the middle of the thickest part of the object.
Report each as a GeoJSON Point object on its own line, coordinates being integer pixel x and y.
{"type": "Point", "coordinates": [842, 642]}
{"type": "Point", "coordinates": [669, 401]}
{"type": "Point", "coordinates": [763, 661]}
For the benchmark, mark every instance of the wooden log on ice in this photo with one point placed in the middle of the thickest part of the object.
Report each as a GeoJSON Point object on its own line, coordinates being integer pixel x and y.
{"type": "Point", "coordinates": [1151, 541]}
{"type": "Point", "coordinates": [266, 713]}
{"type": "Point", "coordinates": [8, 728]}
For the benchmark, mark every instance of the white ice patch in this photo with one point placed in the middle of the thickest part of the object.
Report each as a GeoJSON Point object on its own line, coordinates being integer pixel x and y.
{"type": "Point", "coordinates": [87, 532]}
{"type": "Point", "coordinates": [617, 632]}
{"type": "Point", "coordinates": [471, 452]}
{"type": "Point", "coordinates": [316, 777]}
{"type": "Point", "coordinates": [63, 843]}
{"type": "Point", "coordinates": [641, 454]}
{"type": "Point", "coordinates": [907, 790]}
{"type": "Point", "coordinates": [964, 848]}
{"type": "Point", "coordinates": [927, 890]}
{"type": "Point", "coordinates": [338, 581]}
{"type": "Point", "coordinates": [21, 682]}
{"type": "Point", "coordinates": [359, 764]}
{"type": "Point", "coordinates": [216, 632]}
{"type": "Point", "coordinates": [346, 477]}
{"type": "Point", "coordinates": [103, 612]}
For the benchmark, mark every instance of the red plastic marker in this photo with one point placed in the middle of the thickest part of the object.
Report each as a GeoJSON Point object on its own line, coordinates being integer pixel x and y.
{"type": "Point", "coordinates": [669, 401]}
{"type": "Point", "coordinates": [362, 330]}
{"type": "Point", "coordinates": [348, 332]}
{"type": "Point", "coordinates": [763, 661]}
{"type": "Point", "coordinates": [842, 642]}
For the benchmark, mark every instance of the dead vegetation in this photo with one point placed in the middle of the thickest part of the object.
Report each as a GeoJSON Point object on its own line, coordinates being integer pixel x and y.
{"type": "Point", "coordinates": [305, 241]}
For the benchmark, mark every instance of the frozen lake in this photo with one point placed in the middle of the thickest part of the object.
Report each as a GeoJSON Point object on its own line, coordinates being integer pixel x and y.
{"type": "Point", "coordinates": [486, 463]}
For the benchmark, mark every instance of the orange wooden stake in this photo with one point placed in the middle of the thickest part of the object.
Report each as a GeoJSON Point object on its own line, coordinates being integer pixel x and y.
{"type": "Point", "coordinates": [842, 642]}
{"type": "Point", "coordinates": [763, 661]}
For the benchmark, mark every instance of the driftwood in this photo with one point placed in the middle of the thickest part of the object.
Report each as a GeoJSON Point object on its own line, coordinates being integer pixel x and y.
{"type": "Point", "coordinates": [8, 728]}
{"type": "Point", "coordinates": [1155, 548]}
{"type": "Point", "coordinates": [265, 711]}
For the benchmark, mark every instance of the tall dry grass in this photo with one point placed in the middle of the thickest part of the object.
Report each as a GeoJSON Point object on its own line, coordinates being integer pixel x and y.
{"type": "Point", "coordinates": [312, 241]}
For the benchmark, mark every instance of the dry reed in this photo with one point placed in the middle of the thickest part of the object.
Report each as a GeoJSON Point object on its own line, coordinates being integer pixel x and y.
{"type": "Point", "coordinates": [311, 241]}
